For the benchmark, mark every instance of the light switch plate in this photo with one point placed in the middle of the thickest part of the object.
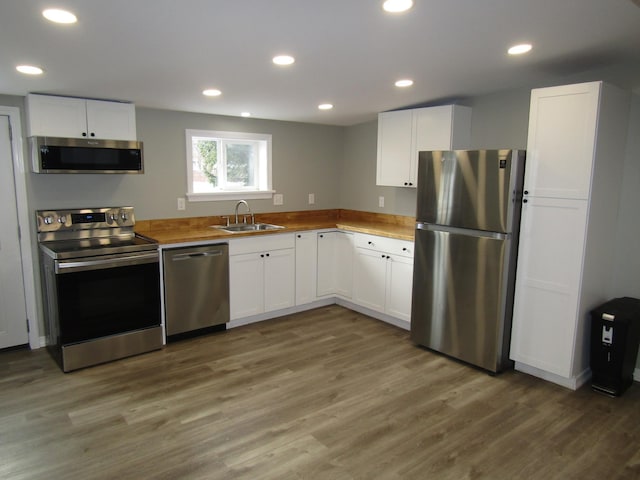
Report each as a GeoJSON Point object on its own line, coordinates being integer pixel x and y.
{"type": "Point", "coordinates": [278, 199]}
{"type": "Point", "coordinates": [312, 198]}
{"type": "Point", "coordinates": [381, 201]}
{"type": "Point", "coordinates": [181, 203]}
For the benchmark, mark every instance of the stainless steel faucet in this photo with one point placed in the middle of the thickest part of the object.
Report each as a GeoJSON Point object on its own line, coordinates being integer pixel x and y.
{"type": "Point", "coordinates": [248, 211]}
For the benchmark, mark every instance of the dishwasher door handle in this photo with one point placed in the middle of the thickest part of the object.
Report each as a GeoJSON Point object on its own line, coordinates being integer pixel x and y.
{"type": "Point", "coordinates": [187, 256]}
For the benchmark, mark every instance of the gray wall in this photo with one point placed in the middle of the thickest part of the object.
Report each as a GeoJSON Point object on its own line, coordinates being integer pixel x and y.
{"type": "Point", "coordinates": [305, 158]}
{"type": "Point", "coordinates": [498, 121]}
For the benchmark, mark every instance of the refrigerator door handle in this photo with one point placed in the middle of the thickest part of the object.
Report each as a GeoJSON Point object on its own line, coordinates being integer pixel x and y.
{"type": "Point", "coordinates": [463, 231]}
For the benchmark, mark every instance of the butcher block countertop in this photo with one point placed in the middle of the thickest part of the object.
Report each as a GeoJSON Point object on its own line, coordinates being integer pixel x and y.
{"type": "Point", "coordinates": [198, 229]}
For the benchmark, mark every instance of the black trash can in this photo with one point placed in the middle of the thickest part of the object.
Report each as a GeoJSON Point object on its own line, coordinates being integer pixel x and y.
{"type": "Point", "coordinates": [615, 336]}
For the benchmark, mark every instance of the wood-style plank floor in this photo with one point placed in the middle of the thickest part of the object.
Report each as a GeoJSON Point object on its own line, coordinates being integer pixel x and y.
{"type": "Point", "coordinates": [325, 394]}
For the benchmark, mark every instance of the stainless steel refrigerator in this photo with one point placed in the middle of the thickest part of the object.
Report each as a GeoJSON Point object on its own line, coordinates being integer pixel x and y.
{"type": "Point", "coordinates": [467, 224]}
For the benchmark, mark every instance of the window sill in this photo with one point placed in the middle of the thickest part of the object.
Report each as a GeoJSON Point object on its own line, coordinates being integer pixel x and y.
{"type": "Point", "coordinates": [212, 197]}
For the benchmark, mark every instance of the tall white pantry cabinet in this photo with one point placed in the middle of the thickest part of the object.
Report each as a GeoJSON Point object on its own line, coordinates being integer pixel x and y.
{"type": "Point", "coordinates": [575, 156]}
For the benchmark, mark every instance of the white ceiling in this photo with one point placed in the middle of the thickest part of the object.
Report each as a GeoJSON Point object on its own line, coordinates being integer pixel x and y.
{"type": "Point", "coordinates": [163, 53]}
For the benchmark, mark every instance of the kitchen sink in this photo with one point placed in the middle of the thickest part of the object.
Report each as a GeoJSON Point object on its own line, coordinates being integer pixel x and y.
{"type": "Point", "coordinates": [247, 227]}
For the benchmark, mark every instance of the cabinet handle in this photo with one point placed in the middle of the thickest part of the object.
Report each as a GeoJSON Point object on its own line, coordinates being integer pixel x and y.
{"type": "Point", "coordinates": [84, 134]}
{"type": "Point", "coordinates": [321, 236]}
{"type": "Point", "coordinates": [525, 200]}
{"type": "Point", "coordinates": [405, 249]}
{"type": "Point", "coordinates": [370, 243]}
{"type": "Point", "coordinates": [267, 254]}
{"type": "Point", "coordinates": [406, 183]}
{"type": "Point", "coordinates": [526, 192]}
{"type": "Point", "coordinates": [410, 184]}
{"type": "Point", "coordinates": [93, 134]}
{"type": "Point", "coordinates": [299, 236]}
{"type": "Point", "coordinates": [383, 256]}
{"type": "Point", "coordinates": [262, 255]}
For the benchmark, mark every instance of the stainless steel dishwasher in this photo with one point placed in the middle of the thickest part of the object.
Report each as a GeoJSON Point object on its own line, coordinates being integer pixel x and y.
{"type": "Point", "coordinates": [196, 289]}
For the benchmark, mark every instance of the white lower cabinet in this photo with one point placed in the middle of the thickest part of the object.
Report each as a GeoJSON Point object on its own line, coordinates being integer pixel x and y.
{"type": "Point", "coordinates": [335, 264]}
{"type": "Point", "coordinates": [278, 271]}
{"type": "Point", "coordinates": [383, 275]}
{"type": "Point", "coordinates": [261, 274]}
{"type": "Point", "coordinates": [306, 267]}
{"type": "Point", "coordinates": [548, 283]}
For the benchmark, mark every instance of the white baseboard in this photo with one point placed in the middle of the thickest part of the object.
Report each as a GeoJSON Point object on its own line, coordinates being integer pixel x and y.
{"type": "Point", "coordinates": [279, 313]}
{"type": "Point", "coordinates": [405, 325]}
{"type": "Point", "coordinates": [573, 383]}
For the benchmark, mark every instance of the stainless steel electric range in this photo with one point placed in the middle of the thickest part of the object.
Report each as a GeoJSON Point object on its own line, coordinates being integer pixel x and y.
{"type": "Point", "coordinates": [101, 286]}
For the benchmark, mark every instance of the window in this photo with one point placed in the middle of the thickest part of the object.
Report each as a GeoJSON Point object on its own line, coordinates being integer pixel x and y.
{"type": "Point", "coordinates": [228, 165]}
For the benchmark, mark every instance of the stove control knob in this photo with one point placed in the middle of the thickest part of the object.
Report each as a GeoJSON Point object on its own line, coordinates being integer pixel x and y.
{"type": "Point", "coordinates": [113, 217]}
{"type": "Point", "coordinates": [62, 219]}
{"type": "Point", "coordinates": [48, 220]}
{"type": "Point", "coordinates": [124, 216]}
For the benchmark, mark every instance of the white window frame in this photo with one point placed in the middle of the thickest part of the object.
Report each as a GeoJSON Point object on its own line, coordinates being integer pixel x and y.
{"type": "Point", "coordinates": [265, 189]}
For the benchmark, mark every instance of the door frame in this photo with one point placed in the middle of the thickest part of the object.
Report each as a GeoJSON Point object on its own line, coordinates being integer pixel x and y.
{"type": "Point", "coordinates": [20, 170]}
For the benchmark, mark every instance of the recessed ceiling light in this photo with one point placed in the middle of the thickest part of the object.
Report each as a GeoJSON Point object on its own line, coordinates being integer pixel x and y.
{"type": "Point", "coordinates": [283, 60]}
{"type": "Point", "coordinates": [397, 6]}
{"type": "Point", "coordinates": [245, 114]}
{"type": "Point", "coordinates": [325, 106]}
{"type": "Point", "coordinates": [519, 49]}
{"type": "Point", "coordinates": [404, 83]}
{"type": "Point", "coordinates": [212, 92]}
{"type": "Point", "coordinates": [29, 69]}
{"type": "Point", "coordinates": [59, 16]}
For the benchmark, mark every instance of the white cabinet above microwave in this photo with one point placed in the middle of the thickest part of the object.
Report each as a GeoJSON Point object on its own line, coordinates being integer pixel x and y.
{"type": "Point", "coordinates": [70, 117]}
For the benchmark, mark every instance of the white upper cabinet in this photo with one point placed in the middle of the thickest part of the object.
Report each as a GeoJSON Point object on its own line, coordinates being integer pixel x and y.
{"type": "Point", "coordinates": [560, 146]}
{"type": "Point", "coordinates": [404, 133]}
{"type": "Point", "coordinates": [52, 116]}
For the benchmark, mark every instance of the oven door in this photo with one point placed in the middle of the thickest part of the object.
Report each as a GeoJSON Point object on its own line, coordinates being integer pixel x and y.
{"type": "Point", "coordinates": [108, 295]}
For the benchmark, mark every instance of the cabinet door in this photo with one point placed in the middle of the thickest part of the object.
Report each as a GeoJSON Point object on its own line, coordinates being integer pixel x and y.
{"type": "Point", "coordinates": [561, 139]}
{"type": "Point", "coordinates": [548, 281]}
{"type": "Point", "coordinates": [52, 116]}
{"type": "Point", "coordinates": [111, 120]}
{"type": "Point", "coordinates": [246, 285]}
{"type": "Point", "coordinates": [343, 264]}
{"type": "Point", "coordinates": [369, 279]}
{"type": "Point", "coordinates": [325, 274]}
{"type": "Point", "coordinates": [399, 285]}
{"type": "Point", "coordinates": [279, 279]}
{"type": "Point", "coordinates": [306, 251]}
{"type": "Point", "coordinates": [395, 160]}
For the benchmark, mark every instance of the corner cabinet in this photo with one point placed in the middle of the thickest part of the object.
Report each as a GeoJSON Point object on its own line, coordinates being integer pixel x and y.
{"type": "Point", "coordinates": [575, 154]}
{"type": "Point", "coordinates": [404, 133]}
{"type": "Point", "coordinates": [335, 264]}
{"type": "Point", "coordinates": [261, 274]}
{"type": "Point", "coordinates": [71, 117]}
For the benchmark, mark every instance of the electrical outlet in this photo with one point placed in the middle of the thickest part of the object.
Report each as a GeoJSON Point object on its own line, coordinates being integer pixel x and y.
{"type": "Point", "coordinates": [381, 201]}
{"type": "Point", "coordinates": [181, 203]}
{"type": "Point", "coordinates": [278, 199]}
{"type": "Point", "coordinates": [312, 198]}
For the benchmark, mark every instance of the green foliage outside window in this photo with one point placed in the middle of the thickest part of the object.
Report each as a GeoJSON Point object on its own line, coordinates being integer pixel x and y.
{"type": "Point", "coordinates": [208, 151]}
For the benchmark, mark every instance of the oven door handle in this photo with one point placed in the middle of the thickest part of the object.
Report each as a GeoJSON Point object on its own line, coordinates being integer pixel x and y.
{"type": "Point", "coordinates": [69, 266]}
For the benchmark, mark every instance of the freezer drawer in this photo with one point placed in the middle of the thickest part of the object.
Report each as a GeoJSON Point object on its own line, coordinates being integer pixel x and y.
{"type": "Point", "coordinates": [196, 287]}
{"type": "Point", "coordinates": [462, 303]}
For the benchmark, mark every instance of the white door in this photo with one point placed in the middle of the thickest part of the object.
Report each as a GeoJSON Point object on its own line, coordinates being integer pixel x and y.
{"type": "Point", "coordinates": [549, 269]}
{"type": "Point", "coordinates": [279, 279]}
{"type": "Point", "coordinates": [13, 316]}
{"type": "Point", "coordinates": [370, 273]}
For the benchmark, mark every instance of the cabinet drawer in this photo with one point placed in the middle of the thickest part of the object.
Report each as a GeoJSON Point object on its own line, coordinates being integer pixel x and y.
{"type": "Point", "coordinates": [384, 244]}
{"type": "Point", "coordinates": [261, 243]}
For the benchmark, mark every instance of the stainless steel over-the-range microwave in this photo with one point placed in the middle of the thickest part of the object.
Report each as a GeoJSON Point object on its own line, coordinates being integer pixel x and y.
{"type": "Point", "coordinates": [83, 155]}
